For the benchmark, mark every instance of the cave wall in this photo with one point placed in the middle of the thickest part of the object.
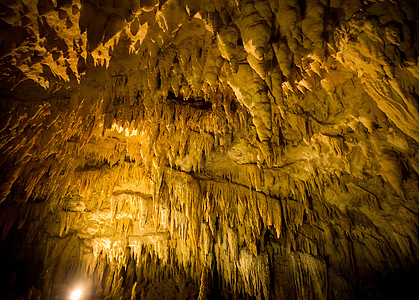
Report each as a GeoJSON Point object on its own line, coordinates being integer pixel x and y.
{"type": "Point", "coordinates": [206, 149]}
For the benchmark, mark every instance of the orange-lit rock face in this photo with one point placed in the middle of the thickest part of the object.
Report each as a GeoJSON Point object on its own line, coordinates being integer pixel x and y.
{"type": "Point", "coordinates": [193, 149]}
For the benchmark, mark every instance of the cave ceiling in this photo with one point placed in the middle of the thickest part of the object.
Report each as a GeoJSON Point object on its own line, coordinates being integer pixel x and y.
{"type": "Point", "coordinates": [187, 149]}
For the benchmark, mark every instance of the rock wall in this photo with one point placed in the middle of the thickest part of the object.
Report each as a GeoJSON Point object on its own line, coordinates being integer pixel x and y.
{"type": "Point", "coordinates": [209, 149]}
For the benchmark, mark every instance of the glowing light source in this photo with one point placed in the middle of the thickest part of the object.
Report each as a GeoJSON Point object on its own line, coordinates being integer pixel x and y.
{"type": "Point", "coordinates": [76, 294]}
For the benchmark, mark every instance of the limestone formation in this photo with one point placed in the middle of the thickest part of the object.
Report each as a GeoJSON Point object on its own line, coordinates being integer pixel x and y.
{"type": "Point", "coordinates": [209, 149]}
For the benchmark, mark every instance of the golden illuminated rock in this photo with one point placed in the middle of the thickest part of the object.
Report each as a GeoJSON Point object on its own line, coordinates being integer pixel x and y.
{"type": "Point", "coordinates": [209, 149]}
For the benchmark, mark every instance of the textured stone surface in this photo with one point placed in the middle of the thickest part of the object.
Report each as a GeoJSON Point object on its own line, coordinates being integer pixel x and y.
{"type": "Point", "coordinates": [206, 149]}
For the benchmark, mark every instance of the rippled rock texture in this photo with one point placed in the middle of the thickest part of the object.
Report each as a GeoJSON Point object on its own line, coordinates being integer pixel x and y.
{"type": "Point", "coordinates": [188, 149]}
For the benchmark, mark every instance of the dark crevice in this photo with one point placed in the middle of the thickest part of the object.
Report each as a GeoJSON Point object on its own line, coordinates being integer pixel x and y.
{"type": "Point", "coordinates": [198, 103]}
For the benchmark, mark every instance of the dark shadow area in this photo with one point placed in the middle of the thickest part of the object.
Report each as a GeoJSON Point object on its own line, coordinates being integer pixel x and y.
{"type": "Point", "coordinates": [19, 271]}
{"type": "Point", "coordinates": [401, 285]}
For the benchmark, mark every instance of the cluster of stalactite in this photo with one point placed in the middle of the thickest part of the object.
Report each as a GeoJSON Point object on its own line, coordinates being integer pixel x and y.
{"type": "Point", "coordinates": [180, 149]}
